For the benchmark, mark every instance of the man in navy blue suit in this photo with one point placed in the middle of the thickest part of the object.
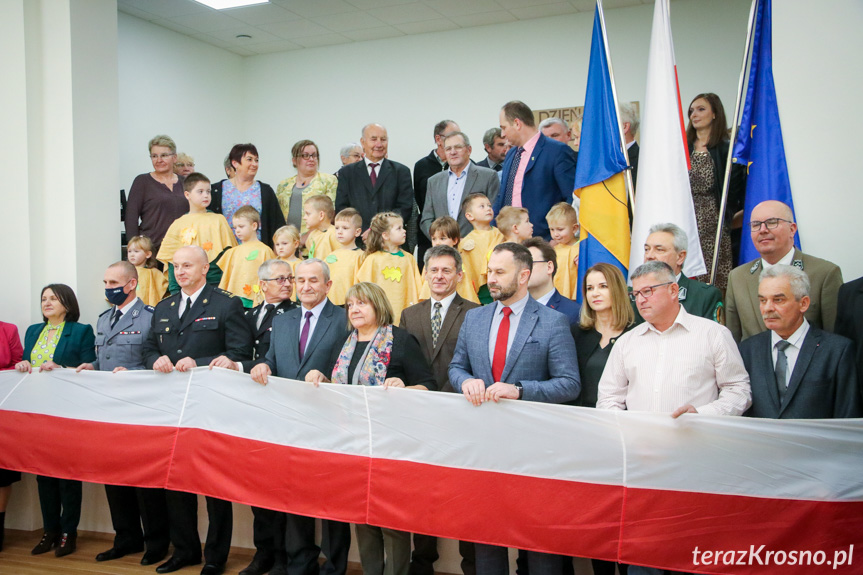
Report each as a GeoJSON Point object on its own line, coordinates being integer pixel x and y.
{"type": "Point", "coordinates": [538, 172]}
{"type": "Point", "coordinates": [541, 284]}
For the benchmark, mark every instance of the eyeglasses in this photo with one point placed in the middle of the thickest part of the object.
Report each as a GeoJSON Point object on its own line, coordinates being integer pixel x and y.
{"type": "Point", "coordinates": [281, 280]}
{"type": "Point", "coordinates": [455, 147]}
{"type": "Point", "coordinates": [160, 156]}
{"type": "Point", "coordinates": [771, 224]}
{"type": "Point", "coordinates": [646, 292]}
{"type": "Point", "coordinates": [308, 156]}
{"type": "Point", "coordinates": [540, 262]}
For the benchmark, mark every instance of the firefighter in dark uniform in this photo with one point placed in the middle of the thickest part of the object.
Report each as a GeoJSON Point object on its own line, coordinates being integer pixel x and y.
{"type": "Point", "coordinates": [120, 334]}
{"type": "Point", "coordinates": [191, 329]}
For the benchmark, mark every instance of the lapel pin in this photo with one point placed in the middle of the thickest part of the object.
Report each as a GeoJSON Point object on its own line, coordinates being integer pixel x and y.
{"type": "Point", "coordinates": [205, 301]}
{"type": "Point", "coordinates": [173, 303]}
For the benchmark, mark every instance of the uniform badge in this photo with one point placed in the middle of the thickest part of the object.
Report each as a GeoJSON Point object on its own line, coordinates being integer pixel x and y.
{"type": "Point", "coordinates": [173, 303]}
{"type": "Point", "coordinates": [135, 313]}
{"type": "Point", "coordinates": [754, 267]}
{"type": "Point", "coordinates": [167, 329]}
{"type": "Point", "coordinates": [798, 264]}
{"type": "Point", "coordinates": [205, 301]}
{"type": "Point", "coordinates": [468, 245]}
{"type": "Point", "coordinates": [681, 295]}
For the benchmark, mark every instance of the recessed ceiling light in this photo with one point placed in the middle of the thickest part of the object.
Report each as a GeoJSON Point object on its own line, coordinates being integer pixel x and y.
{"type": "Point", "coordinates": [222, 4]}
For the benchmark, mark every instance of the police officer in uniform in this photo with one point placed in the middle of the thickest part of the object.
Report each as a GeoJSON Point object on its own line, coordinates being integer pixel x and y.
{"type": "Point", "coordinates": [276, 280]}
{"type": "Point", "coordinates": [190, 329]}
{"type": "Point", "coordinates": [120, 334]}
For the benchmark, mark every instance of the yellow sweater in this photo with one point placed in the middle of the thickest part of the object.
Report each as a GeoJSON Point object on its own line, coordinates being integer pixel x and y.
{"type": "Point", "coordinates": [320, 244]}
{"type": "Point", "coordinates": [397, 274]}
{"type": "Point", "coordinates": [209, 231]}
{"type": "Point", "coordinates": [240, 269]}
{"type": "Point", "coordinates": [152, 284]}
{"type": "Point", "coordinates": [343, 264]}
{"type": "Point", "coordinates": [475, 250]}
{"type": "Point", "coordinates": [566, 278]}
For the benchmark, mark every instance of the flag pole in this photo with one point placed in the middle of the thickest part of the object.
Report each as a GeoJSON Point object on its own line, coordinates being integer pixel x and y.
{"type": "Point", "coordinates": [627, 179]}
{"type": "Point", "coordinates": [726, 182]}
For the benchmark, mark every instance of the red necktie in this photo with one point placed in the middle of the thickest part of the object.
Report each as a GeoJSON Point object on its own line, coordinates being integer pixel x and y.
{"type": "Point", "coordinates": [373, 175]}
{"type": "Point", "coordinates": [500, 346]}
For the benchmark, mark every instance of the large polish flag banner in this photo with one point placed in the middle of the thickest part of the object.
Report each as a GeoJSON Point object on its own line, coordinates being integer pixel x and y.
{"type": "Point", "coordinates": [697, 494]}
{"type": "Point", "coordinates": [663, 193]}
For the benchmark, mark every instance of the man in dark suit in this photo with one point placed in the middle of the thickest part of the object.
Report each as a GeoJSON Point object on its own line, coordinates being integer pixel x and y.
{"type": "Point", "coordinates": [304, 339]}
{"type": "Point", "coordinates": [538, 363]}
{"type": "Point", "coordinates": [849, 318]}
{"type": "Point", "coordinates": [276, 280]}
{"type": "Point", "coordinates": [538, 172]}
{"type": "Point", "coordinates": [375, 184]}
{"type": "Point", "coordinates": [796, 370]}
{"type": "Point", "coordinates": [495, 148]}
{"type": "Point", "coordinates": [435, 323]}
{"type": "Point", "coordinates": [630, 123]}
{"type": "Point", "coordinates": [541, 284]}
{"type": "Point", "coordinates": [197, 326]}
{"type": "Point", "coordinates": [425, 168]}
{"type": "Point", "coordinates": [448, 189]}
{"type": "Point", "coordinates": [120, 332]}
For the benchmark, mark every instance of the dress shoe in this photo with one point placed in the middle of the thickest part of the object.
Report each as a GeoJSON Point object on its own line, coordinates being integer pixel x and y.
{"type": "Point", "coordinates": [280, 568]}
{"type": "Point", "coordinates": [213, 569]}
{"type": "Point", "coordinates": [175, 564]}
{"type": "Point", "coordinates": [115, 553]}
{"type": "Point", "coordinates": [151, 557]}
{"type": "Point", "coordinates": [68, 544]}
{"type": "Point", "coordinates": [261, 563]}
{"type": "Point", "coordinates": [50, 539]}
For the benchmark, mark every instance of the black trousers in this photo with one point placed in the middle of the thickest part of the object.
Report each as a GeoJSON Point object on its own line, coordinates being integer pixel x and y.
{"type": "Point", "coordinates": [268, 531]}
{"type": "Point", "coordinates": [183, 518]}
{"type": "Point", "coordinates": [132, 507]}
{"type": "Point", "coordinates": [425, 554]}
{"type": "Point", "coordinates": [303, 553]}
{"type": "Point", "coordinates": [60, 501]}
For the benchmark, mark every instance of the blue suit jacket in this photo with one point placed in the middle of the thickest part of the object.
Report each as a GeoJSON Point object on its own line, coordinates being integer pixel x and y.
{"type": "Point", "coordinates": [322, 350]}
{"type": "Point", "coordinates": [548, 179]}
{"type": "Point", "coordinates": [542, 356]}
{"type": "Point", "coordinates": [77, 343]}
{"type": "Point", "coordinates": [565, 306]}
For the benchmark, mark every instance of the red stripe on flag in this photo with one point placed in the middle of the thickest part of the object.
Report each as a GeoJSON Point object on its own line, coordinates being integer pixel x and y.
{"type": "Point", "coordinates": [680, 113]}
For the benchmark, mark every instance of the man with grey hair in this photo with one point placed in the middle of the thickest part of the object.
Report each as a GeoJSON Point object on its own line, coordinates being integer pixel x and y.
{"type": "Point", "coordinates": [798, 371]}
{"type": "Point", "coordinates": [435, 323]}
{"type": "Point", "coordinates": [351, 153]}
{"type": "Point", "coordinates": [667, 243]}
{"type": "Point", "coordinates": [694, 363]}
{"type": "Point", "coordinates": [448, 189]}
{"type": "Point", "coordinates": [629, 121]}
{"type": "Point", "coordinates": [303, 339]}
{"type": "Point", "coordinates": [495, 148]}
{"type": "Point", "coordinates": [556, 129]}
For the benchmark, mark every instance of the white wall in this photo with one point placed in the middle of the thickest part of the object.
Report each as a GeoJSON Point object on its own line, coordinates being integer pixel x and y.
{"type": "Point", "coordinates": [172, 84]}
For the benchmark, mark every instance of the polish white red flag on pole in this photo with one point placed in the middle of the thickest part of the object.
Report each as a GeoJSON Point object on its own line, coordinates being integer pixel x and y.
{"type": "Point", "coordinates": [663, 193]}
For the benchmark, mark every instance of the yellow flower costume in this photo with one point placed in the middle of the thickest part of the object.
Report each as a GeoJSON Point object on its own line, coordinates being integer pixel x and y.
{"type": "Point", "coordinates": [320, 244]}
{"type": "Point", "coordinates": [343, 264]}
{"type": "Point", "coordinates": [475, 250]}
{"type": "Point", "coordinates": [152, 284]}
{"type": "Point", "coordinates": [566, 278]}
{"type": "Point", "coordinates": [397, 274]}
{"type": "Point", "coordinates": [321, 184]}
{"type": "Point", "coordinates": [240, 270]}
{"type": "Point", "coordinates": [209, 231]}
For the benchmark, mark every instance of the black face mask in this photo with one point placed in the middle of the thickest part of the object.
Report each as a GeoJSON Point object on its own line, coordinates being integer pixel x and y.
{"type": "Point", "coordinates": [116, 295]}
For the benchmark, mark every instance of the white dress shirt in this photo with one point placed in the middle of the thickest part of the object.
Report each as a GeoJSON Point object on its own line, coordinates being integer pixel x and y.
{"type": "Point", "coordinates": [455, 190]}
{"type": "Point", "coordinates": [377, 168]}
{"type": "Point", "coordinates": [313, 321]}
{"type": "Point", "coordinates": [792, 351]}
{"type": "Point", "coordinates": [125, 309]}
{"type": "Point", "coordinates": [191, 299]}
{"type": "Point", "coordinates": [786, 260]}
{"type": "Point", "coordinates": [695, 362]}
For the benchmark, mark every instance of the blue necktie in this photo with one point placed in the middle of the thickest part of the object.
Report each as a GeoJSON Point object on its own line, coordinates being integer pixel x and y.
{"type": "Point", "coordinates": [510, 177]}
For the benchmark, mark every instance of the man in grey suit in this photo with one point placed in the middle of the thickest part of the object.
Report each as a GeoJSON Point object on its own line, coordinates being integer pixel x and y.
{"type": "Point", "coordinates": [444, 313]}
{"type": "Point", "coordinates": [120, 334]}
{"type": "Point", "coordinates": [514, 348]}
{"type": "Point", "coordinates": [448, 189]}
{"type": "Point", "coordinates": [796, 370]}
{"type": "Point", "coordinates": [306, 338]}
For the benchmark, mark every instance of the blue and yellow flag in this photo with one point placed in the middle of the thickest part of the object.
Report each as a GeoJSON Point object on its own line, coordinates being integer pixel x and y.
{"type": "Point", "coordinates": [599, 178]}
{"type": "Point", "coordinates": [759, 142]}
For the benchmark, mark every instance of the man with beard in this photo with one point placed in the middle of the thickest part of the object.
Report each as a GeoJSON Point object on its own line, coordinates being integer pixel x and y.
{"type": "Point", "coordinates": [514, 348]}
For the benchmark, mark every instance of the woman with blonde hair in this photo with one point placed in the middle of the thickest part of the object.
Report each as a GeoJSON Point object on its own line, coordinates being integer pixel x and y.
{"type": "Point", "coordinates": [308, 181]}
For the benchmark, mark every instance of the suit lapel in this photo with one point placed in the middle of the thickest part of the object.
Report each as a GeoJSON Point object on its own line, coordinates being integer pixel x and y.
{"type": "Point", "coordinates": [525, 328]}
{"type": "Point", "coordinates": [455, 309]}
{"type": "Point", "coordinates": [61, 345]}
{"type": "Point", "coordinates": [198, 307]}
{"type": "Point", "coordinates": [383, 173]}
{"type": "Point", "coordinates": [323, 324]}
{"type": "Point", "coordinates": [483, 331]}
{"type": "Point", "coordinates": [424, 311]}
{"type": "Point", "coordinates": [752, 288]}
{"type": "Point", "coordinates": [126, 319]}
{"type": "Point", "coordinates": [804, 358]}
{"type": "Point", "coordinates": [469, 184]}
{"type": "Point", "coordinates": [765, 361]}
{"type": "Point", "coordinates": [537, 150]}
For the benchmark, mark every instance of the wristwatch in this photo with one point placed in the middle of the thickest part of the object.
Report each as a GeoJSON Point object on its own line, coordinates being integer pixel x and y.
{"type": "Point", "coordinates": [520, 389]}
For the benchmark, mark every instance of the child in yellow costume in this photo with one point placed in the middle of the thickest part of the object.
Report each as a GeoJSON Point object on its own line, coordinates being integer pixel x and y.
{"type": "Point", "coordinates": [514, 223]}
{"type": "Point", "coordinates": [563, 224]}
{"type": "Point", "coordinates": [476, 247]}
{"type": "Point", "coordinates": [318, 216]}
{"type": "Point", "coordinates": [444, 232]}
{"type": "Point", "coordinates": [286, 243]}
{"type": "Point", "coordinates": [209, 231]}
{"type": "Point", "coordinates": [345, 261]}
{"type": "Point", "coordinates": [240, 264]}
{"type": "Point", "coordinates": [386, 265]}
{"type": "Point", "coordinates": [152, 282]}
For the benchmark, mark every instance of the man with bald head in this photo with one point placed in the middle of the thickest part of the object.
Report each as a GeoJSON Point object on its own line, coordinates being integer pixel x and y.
{"type": "Point", "coordinates": [375, 184]}
{"type": "Point", "coordinates": [772, 228]}
{"type": "Point", "coordinates": [192, 328]}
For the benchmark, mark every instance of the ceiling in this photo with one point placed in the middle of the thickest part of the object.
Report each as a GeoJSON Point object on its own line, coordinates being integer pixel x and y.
{"type": "Point", "coordinates": [286, 25]}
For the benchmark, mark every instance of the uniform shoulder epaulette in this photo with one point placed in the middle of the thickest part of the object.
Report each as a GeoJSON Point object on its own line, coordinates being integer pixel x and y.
{"type": "Point", "coordinates": [106, 311]}
{"type": "Point", "coordinates": [223, 292]}
{"type": "Point", "coordinates": [149, 308]}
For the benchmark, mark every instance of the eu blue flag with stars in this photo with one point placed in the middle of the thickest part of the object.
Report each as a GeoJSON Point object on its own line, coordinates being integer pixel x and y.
{"type": "Point", "coordinates": [759, 140]}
